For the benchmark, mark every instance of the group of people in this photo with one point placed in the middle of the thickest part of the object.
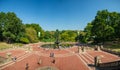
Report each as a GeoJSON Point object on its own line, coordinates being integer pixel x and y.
{"type": "Point", "coordinates": [52, 56]}
{"type": "Point", "coordinates": [40, 61]}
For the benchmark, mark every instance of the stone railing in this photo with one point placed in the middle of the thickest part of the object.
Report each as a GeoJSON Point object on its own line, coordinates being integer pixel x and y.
{"type": "Point", "coordinates": [110, 51]}
{"type": "Point", "coordinates": [115, 65]}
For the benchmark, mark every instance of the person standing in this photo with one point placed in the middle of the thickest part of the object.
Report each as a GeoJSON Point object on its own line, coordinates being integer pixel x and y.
{"type": "Point", "coordinates": [39, 61]}
{"type": "Point", "coordinates": [27, 66]}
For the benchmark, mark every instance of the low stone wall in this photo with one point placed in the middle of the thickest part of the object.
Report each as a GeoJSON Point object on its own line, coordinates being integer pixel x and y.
{"type": "Point", "coordinates": [110, 51]}
{"type": "Point", "coordinates": [115, 65]}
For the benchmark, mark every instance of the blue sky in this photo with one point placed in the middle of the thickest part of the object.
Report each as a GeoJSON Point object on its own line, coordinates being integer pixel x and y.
{"type": "Point", "coordinates": [58, 14]}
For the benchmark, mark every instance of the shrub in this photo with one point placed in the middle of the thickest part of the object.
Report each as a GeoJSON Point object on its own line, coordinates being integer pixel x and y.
{"type": "Point", "coordinates": [24, 40]}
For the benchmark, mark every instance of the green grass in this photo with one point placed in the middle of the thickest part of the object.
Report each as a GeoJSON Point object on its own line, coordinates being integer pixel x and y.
{"type": "Point", "coordinates": [4, 45]}
{"type": "Point", "coordinates": [115, 47]}
{"type": "Point", "coordinates": [18, 44]}
{"type": "Point", "coordinates": [48, 40]}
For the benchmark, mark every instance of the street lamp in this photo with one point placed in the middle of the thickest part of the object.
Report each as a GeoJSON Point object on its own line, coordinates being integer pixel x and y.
{"type": "Point", "coordinates": [78, 35]}
{"type": "Point", "coordinates": [57, 42]}
{"type": "Point", "coordinates": [38, 34]}
{"type": "Point", "coordinates": [78, 39]}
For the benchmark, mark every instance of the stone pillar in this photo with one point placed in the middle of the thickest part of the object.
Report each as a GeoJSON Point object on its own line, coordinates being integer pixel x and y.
{"type": "Point", "coordinates": [97, 60]}
{"type": "Point", "coordinates": [101, 47]}
{"type": "Point", "coordinates": [95, 47]}
{"type": "Point", "coordinates": [83, 48]}
{"type": "Point", "coordinates": [98, 48]}
{"type": "Point", "coordinates": [78, 49]}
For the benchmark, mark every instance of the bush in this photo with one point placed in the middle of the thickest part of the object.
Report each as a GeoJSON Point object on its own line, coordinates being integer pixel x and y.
{"type": "Point", "coordinates": [24, 40]}
{"type": "Point", "coordinates": [31, 34]}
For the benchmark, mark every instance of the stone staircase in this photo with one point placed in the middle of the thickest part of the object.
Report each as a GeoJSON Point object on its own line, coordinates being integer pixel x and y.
{"type": "Point", "coordinates": [2, 66]}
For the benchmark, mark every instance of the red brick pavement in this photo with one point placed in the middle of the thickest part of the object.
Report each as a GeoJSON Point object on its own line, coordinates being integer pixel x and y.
{"type": "Point", "coordinates": [71, 62]}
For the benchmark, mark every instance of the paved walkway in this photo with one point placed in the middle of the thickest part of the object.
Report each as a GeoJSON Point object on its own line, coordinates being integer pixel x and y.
{"type": "Point", "coordinates": [65, 59]}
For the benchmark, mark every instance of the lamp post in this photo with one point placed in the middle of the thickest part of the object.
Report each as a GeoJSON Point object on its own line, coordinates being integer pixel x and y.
{"type": "Point", "coordinates": [51, 40]}
{"type": "Point", "coordinates": [39, 34]}
{"type": "Point", "coordinates": [78, 40]}
{"type": "Point", "coordinates": [57, 42]}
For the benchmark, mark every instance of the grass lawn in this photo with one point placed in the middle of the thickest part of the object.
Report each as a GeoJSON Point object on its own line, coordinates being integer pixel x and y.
{"type": "Point", "coordinates": [4, 45]}
{"type": "Point", "coordinates": [115, 47]}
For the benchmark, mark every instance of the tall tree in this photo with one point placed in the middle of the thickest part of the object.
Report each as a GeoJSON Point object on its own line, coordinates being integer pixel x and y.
{"type": "Point", "coordinates": [2, 22]}
{"type": "Point", "coordinates": [38, 28]}
{"type": "Point", "coordinates": [88, 34]}
{"type": "Point", "coordinates": [13, 28]}
{"type": "Point", "coordinates": [68, 35]}
{"type": "Point", "coordinates": [102, 30]}
{"type": "Point", "coordinates": [115, 22]}
{"type": "Point", "coordinates": [31, 34]}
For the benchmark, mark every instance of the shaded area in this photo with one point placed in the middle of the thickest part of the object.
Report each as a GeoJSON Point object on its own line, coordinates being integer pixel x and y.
{"type": "Point", "coordinates": [115, 65]}
{"type": "Point", "coordinates": [60, 46]}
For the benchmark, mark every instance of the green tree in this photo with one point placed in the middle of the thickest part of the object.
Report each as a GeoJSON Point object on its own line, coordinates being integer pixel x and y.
{"type": "Point", "coordinates": [82, 37]}
{"type": "Point", "coordinates": [12, 27]}
{"type": "Point", "coordinates": [102, 29]}
{"type": "Point", "coordinates": [68, 35]}
{"type": "Point", "coordinates": [9, 36]}
{"type": "Point", "coordinates": [38, 28]}
{"type": "Point", "coordinates": [2, 22]}
{"type": "Point", "coordinates": [88, 33]}
{"type": "Point", "coordinates": [31, 34]}
{"type": "Point", "coordinates": [24, 40]}
{"type": "Point", "coordinates": [49, 36]}
{"type": "Point", "coordinates": [115, 22]}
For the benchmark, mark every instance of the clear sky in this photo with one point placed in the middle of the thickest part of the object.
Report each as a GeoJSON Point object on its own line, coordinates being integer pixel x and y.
{"type": "Point", "coordinates": [58, 14]}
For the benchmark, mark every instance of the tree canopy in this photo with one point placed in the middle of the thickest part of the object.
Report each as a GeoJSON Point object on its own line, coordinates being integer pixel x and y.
{"type": "Point", "coordinates": [11, 27]}
{"type": "Point", "coordinates": [104, 27]}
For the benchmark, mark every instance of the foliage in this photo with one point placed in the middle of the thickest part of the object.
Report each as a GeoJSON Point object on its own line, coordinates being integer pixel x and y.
{"type": "Point", "coordinates": [31, 34]}
{"type": "Point", "coordinates": [105, 27]}
{"type": "Point", "coordinates": [38, 29]}
{"type": "Point", "coordinates": [49, 36]}
{"type": "Point", "coordinates": [8, 36]}
{"type": "Point", "coordinates": [82, 37]}
{"type": "Point", "coordinates": [24, 40]}
{"type": "Point", "coordinates": [2, 21]}
{"type": "Point", "coordinates": [87, 30]}
{"type": "Point", "coordinates": [11, 27]}
{"type": "Point", "coordinates": [68, 35]}
{"type": "Point", "coordinates": [64, 36]}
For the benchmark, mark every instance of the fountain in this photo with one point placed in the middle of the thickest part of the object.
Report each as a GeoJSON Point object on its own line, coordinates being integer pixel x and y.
{"type": "Point", "coordinates": [57, 42]}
